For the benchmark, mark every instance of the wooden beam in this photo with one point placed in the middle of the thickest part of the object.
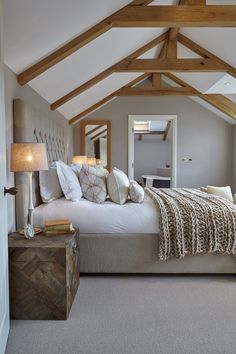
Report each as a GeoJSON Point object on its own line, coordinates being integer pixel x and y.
{"type": "Point", "coordinates": [72, 46]}
{"type": "Point", "coordinates": [98, 134]}
{"type": "Point", "coordinates": [62, 53]}
{"type": "Point", "coordinates": [156, 80]}
{"type": "Point", "coordinates": [222, 103]}
{"type": "Point", "coordinates": [152, 91]}
{"type": "Point", "coordinates": [218, 101]}
{"type": "Point", "coordinates": [166, 65]}
{"type": "Point", "coordinates": [204, 52]}
{"type": "Point", "coordinates": [175, 16]}
{"type": "Point", "coordinates": [93, 130]}
{"type": "Point", "coordinates": [107, 72]}
{"type": "Point", "coordinates": [154, 132]}
{"type": "Point", "coordinates": [167, 130]}
{"type": "Point", "coordinates": [106, 99]}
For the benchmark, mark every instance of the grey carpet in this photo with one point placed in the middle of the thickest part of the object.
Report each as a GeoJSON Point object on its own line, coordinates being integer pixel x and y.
{"type": "Point", "coordinates": [138, 315]}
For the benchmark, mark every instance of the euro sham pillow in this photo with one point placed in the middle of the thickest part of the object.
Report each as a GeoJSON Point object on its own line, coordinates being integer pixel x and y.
{"type": "Point", "coordinates": [93, 183]}
{"type": "Point", "coordinates": [224, 192]}
{"type": "Point", "coordinates": [69, 182]}
{"type": "Point", "coordinates": [49, 185]}
{"type": "Point", "coordinates": [136, 192]}
{"type": "Point", "coordinates": [118, 186]}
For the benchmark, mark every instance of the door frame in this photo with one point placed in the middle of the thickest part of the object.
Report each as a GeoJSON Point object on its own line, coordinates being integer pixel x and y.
{"type": "Point", "coordinates": [137, 117]}
{"type": "Point", "coordinates": [4, 288]}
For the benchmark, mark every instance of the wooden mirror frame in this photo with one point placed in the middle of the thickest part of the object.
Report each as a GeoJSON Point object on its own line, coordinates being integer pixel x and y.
{"type": "Point", "coordinates": [83, 125]}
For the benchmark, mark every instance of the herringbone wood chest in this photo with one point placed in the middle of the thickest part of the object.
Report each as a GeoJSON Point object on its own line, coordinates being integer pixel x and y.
{"type": "Point", "coordinates": [43, 276]}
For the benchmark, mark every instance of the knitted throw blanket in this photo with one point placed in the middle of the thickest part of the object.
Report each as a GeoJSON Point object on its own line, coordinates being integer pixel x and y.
{"type": "Point", "coordinates": [194, 222]}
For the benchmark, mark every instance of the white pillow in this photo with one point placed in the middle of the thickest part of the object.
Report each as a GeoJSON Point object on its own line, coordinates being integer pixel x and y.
{"type": "Point", "coordinates": [136, 192]}
{"type": "Point", "coordinates": [69, 182]}
{"type": "Point", "coordinates": [224, 192]}
{"type": "Point", "coordinates": [49, 185]}
{"type": "Point", "coordinates": [118, 186]}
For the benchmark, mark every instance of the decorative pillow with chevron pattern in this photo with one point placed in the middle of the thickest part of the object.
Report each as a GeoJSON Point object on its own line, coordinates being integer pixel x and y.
{"type": "Point", "coordinates": [93, 183]}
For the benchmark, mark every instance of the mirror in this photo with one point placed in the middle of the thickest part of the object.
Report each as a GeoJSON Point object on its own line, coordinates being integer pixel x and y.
{"type": "Point", "coordinates": [95, 137]}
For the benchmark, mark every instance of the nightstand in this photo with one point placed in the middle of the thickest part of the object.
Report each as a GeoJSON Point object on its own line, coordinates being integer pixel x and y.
{"type": "Point", "coordinates": [43, 276]}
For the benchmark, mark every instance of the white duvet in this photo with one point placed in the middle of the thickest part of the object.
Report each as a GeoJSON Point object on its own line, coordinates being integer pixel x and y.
{"type": "Point", "coordinates": [107, 217]}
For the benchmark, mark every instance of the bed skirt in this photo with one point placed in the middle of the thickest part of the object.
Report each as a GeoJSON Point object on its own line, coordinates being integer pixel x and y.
{"type": "Point", "coordinates": [138, 253]}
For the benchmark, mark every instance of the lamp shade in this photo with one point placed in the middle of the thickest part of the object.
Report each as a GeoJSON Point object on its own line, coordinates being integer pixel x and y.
{"type": "Point", "coordinates": [28, 157]}
{"type": "Point", "coordinates": [91, 161]}
{"type": "Point", "coordinates": [81, 160]}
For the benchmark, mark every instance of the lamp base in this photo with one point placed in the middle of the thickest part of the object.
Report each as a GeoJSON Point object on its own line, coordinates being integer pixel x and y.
{"type": "Point", "coordinates": [37, 231]}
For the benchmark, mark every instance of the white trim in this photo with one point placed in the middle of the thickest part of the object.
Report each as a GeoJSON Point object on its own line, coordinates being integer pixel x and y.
{"type": "Point", "coordinates": [131, 119]}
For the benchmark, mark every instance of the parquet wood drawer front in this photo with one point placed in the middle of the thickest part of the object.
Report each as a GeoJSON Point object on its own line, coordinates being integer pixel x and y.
{"type": "Point", "coordinates": [43, 276]}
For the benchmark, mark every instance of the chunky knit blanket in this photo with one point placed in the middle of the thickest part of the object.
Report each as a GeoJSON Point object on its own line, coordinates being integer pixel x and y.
{"type": "Point", "coordinates": [194, 222]}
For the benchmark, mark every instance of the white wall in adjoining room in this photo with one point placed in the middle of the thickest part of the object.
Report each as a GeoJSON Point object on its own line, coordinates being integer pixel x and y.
{"type": "Point", "coordinates": [201, 136]}
{"type": "Point", "coordinates": [150, 153]}
{"type": "Point", "coordinates": [14, 90]}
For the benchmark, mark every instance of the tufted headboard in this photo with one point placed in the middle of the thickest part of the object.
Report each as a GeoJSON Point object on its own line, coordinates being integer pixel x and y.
{"type": "Point", "coordinates": [31, 125]}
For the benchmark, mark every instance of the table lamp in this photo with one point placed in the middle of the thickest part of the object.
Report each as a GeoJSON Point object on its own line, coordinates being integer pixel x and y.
{"type": "Point", "coordinates": [81, 160]}
{"type": "Point", "coordinates": [91, 161]}
{"type": "Point", "coordinates": [29, 157]}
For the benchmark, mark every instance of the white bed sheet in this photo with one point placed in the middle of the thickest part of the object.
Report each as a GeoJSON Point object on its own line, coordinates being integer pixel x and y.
{"type": "Point", "coordinates": [108, 217]}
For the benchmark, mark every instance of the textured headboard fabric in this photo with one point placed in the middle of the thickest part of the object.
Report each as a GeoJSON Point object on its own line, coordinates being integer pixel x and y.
{"type": "Point", "coordinates": [31, 125]}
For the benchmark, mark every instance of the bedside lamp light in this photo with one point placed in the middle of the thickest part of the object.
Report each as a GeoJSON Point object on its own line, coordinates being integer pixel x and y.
{"type": "Point", "coordinates": [81, 160]}
{"type": "Point", "coordinates": [91, 161]}
{"type": "Point", "coordinates": [29, 157]}
{"type": "Point", "coordinates": [99, 162]}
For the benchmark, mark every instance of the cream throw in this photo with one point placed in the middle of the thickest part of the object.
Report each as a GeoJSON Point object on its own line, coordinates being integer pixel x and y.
{"type": "Point", "coordinates": [194, 222]}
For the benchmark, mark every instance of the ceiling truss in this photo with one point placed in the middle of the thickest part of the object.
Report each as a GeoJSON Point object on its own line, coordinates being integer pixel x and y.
{"type": "Point", "coordinates": [191, 13]}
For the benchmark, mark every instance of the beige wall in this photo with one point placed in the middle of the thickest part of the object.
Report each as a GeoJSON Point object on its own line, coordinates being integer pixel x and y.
{"type": "Point", "coordinates": [202, 136]}
{"type": "Point", "coordinates": [12, 91]}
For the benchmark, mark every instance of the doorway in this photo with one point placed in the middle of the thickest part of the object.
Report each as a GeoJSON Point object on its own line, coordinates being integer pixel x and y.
{"type": "Point", "coordinates": [152, 149]}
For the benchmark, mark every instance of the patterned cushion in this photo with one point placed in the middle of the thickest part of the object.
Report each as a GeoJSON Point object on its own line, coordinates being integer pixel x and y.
{"type": "Point", "coordinates": [136, 192]}
{"type": "Point", "coordinates": [93, 183]}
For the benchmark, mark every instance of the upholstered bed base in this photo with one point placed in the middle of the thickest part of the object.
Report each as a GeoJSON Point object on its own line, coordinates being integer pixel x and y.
{"type": "Point", "coordinates": [138, 253]}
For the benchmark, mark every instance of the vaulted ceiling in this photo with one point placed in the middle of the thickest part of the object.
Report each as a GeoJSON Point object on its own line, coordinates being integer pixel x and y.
{"type": "Point", "coordinates": [34, 29]}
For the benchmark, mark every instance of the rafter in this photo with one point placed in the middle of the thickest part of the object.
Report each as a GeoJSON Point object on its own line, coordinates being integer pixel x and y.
{"type": "Point", "coordinates": [218, 101]}
{"type": "Point", "coordinates": [106, 99]}
{"type": "Point", "coordinates": [98, 134]}
{"type": "Point", "coordinates": [72, 46]}
{"type": "Point", "coordinates": [187, 42]}
{"type": "Point", "coordinates": [166, 65]}
{"type": "Point", "coordinates": [167, 130]}
{"type": "Point", "coordinates": [153, 91]}
{"type": "Point", "coordinates": [93, 130]}
{"type": "Point", "coordinates": [176, 16]}
{"type": "Point", "coordinates": [107, 72]}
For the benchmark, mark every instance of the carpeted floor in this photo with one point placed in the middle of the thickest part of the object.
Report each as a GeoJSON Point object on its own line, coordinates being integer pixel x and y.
{"type": "Point", "coordinates": [138, 315]}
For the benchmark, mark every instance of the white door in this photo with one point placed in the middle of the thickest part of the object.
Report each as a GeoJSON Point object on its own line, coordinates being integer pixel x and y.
{"type": "Point", "coordinates": [4, 302]}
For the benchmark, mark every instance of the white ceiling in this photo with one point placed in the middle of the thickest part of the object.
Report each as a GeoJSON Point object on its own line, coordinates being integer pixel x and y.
{"type": "Point", "coordinates": [35, 28]}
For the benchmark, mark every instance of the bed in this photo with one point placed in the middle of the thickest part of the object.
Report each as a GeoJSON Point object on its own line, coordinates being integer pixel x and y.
{"type": "Point", "coordinates": [113, 238]}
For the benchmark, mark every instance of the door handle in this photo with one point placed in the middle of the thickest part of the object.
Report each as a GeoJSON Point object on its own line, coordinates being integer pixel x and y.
{"type": "Point", "coordinates": [12, 191]}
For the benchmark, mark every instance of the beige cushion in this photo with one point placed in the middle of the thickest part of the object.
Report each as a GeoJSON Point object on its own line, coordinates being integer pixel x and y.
{"type": "Point", "coordinates": [136, 192]}
{"type": "Point", "coordinates": [118, 186]}
{"type": "Point", "coordinates": [224, 192]}
{"type": "Point", "coordinates": [49, 185]}
{"type": "Point", "coordinates": [69, 182]}
{"type": "Point", "coordinates": [203, 189]}
{"type": "Point", "coordinates": [93, 183]}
